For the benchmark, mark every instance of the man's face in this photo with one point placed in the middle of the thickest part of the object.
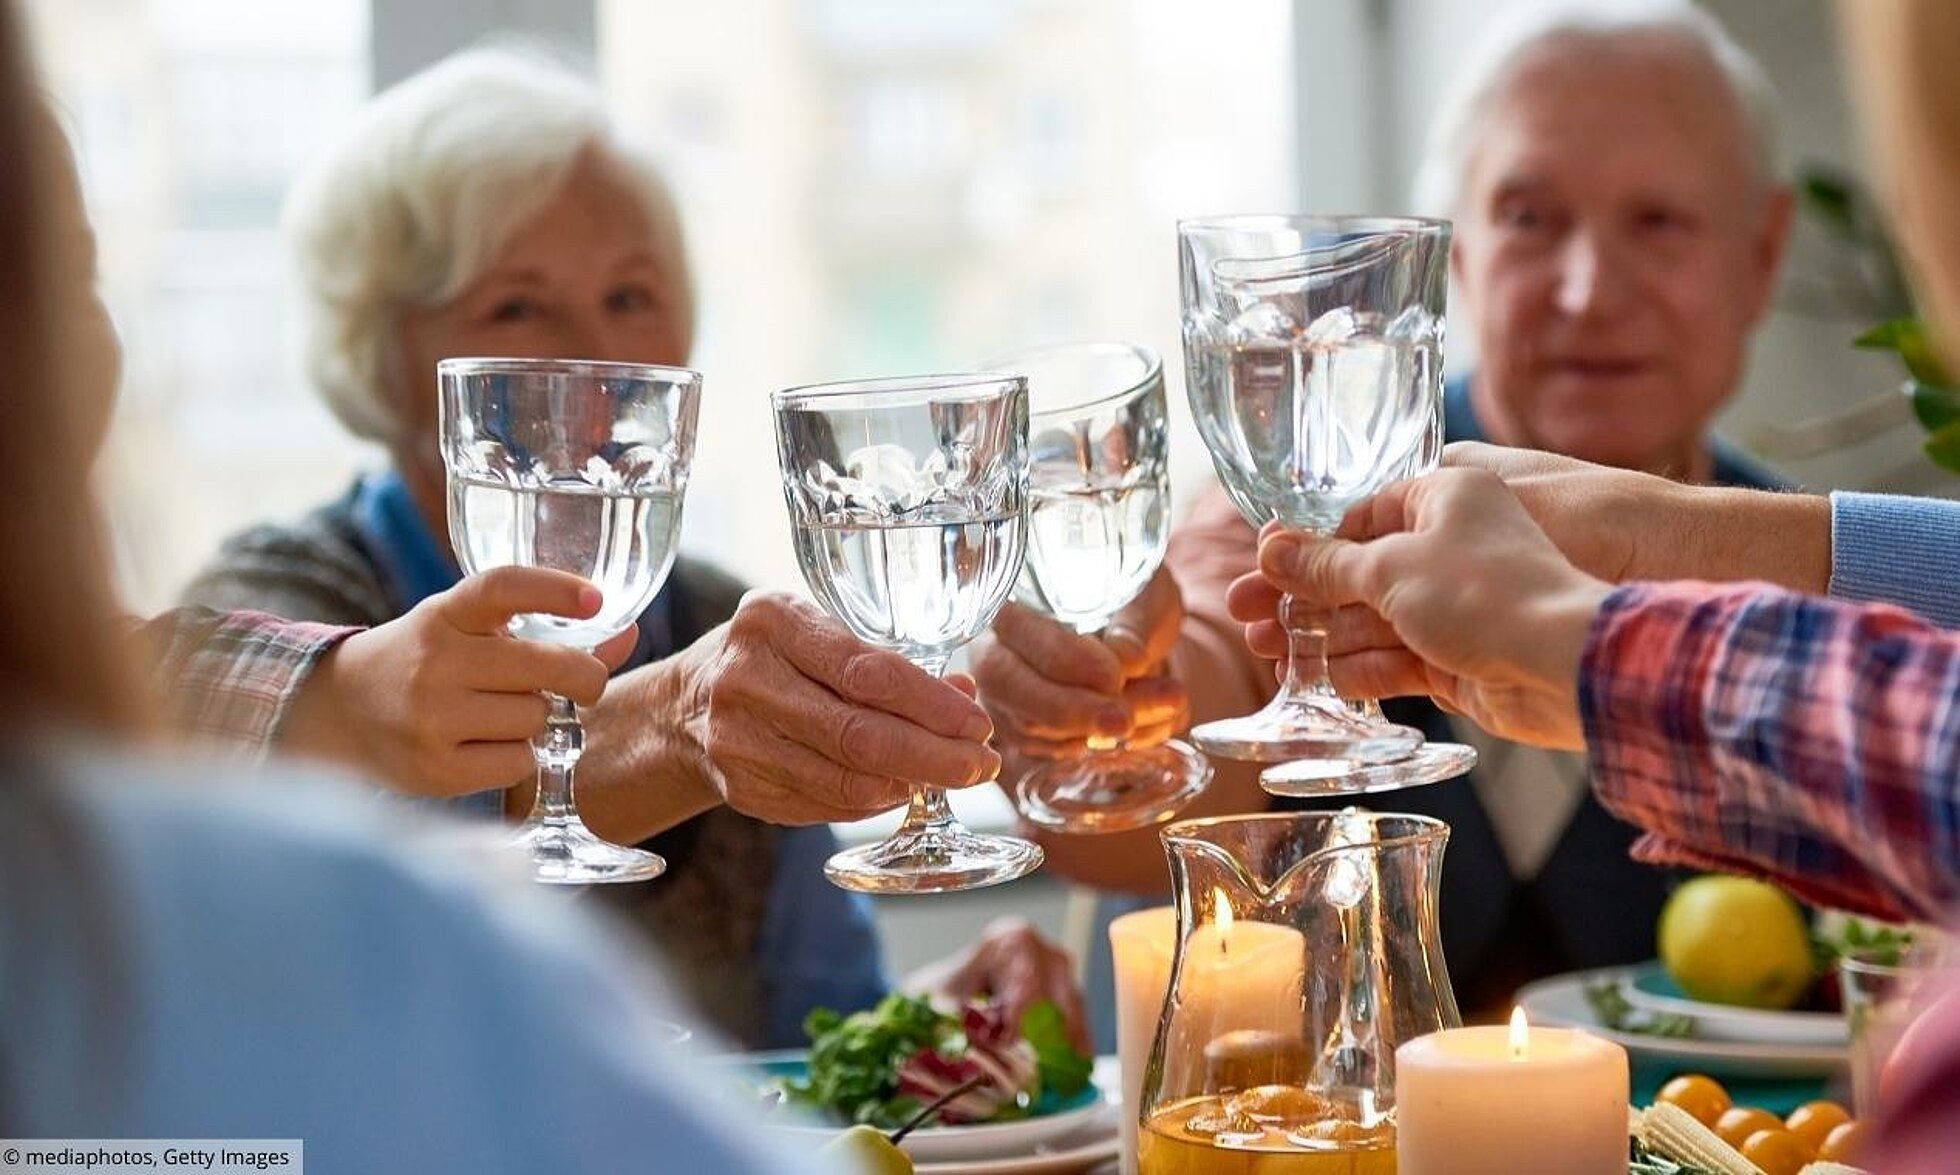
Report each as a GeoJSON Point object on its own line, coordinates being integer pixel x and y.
{"type": "Point", "coordinates": [1614, 248]}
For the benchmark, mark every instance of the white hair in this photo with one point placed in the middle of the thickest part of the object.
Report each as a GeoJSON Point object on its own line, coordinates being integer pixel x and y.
{"type": "Point", "coordinates": [433, 179]}
{"type": "Point", "coordinates": [1453, 131]}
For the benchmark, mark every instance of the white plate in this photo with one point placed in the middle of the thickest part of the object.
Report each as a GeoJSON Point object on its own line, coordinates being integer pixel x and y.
{"type": "Point", "coordinates": [1561, 1000]}
{"type": "Point", "coordinates": [1726, 1022]}
{"type": "Point", "coordinates": [1048, 1138]}
{"type": "Point", "coordinates": [1087, 1147]}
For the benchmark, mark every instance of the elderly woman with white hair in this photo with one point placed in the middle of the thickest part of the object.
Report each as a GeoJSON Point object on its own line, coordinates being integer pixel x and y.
{"type": "Point", "coordinates": [1609, 167]}
{"type": "Point", "coordinates": [487, 207]}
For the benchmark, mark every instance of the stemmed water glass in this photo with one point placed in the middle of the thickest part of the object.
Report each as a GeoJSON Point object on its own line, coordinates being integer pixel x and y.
{"type": "Point", "coordinates": [1098, 519]}
{"type": "Point", "coordinates": [1313, 355]}
{"type": "Point", "coordinates": [579, 467]}
{"type": "Point", "coordinates": [908, 501]}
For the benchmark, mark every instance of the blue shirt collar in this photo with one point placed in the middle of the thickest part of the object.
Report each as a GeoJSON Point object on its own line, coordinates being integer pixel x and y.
{"type": "Point", "coordinates": [413, 565]}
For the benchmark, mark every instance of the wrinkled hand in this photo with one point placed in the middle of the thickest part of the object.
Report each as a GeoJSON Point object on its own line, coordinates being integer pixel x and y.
{"type": "Point", "coordinates": [1051, 691]}
{"type": "Point", "coordinates": [1013, 965]}
{"type": "Point", "coordinates": [1460, 596]}
{"type": "Point", "coordinates": [789, 717]}
{"type": "Point", "coordinates": [444, 701]}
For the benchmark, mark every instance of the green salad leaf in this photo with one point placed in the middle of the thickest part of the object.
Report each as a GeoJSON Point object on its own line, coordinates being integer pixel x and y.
{"type": "Point", "coordinates": [1062, 1068]}
{"type": "Point", "coordinates": [854, 1060]}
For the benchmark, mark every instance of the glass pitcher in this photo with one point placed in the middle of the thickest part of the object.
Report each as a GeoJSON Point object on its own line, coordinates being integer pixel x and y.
{"type": "Point", "coordinates": [1307, 950]}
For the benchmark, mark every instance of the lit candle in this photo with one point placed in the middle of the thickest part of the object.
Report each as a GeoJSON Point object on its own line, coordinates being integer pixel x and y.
{"type": "Point", "coordinates": [1494, 1100]}
{"type": "Point", "coordinates": [1238, 976]}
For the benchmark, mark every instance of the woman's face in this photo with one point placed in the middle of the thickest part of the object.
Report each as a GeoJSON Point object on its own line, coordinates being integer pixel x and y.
{"type": "Point", "coordinates": [580, 280]}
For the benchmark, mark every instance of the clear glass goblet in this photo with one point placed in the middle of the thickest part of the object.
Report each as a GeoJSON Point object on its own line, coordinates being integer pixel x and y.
{"type": "Point", "coordinates": [1098, 520]}
{"type": "Point", "coordinates": [1313, 354]}
{"type": "Point", "coordinates": [908, 502]}
{"type": "Point", "coordinates": [581, 467]}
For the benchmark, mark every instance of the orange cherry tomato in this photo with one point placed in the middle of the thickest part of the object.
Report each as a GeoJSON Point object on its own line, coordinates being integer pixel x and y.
{"type": "Point", "coordinates": [1701, 1097]}
{"type": "Point", "coordinates": [1814, 1121]}
{"type": "Point", "coordinates": [1846, 1144]}
{"type": "Point", "coordinates": [1739, 1122]}
{"type": "Point", "coordinates": [1777, 1152]}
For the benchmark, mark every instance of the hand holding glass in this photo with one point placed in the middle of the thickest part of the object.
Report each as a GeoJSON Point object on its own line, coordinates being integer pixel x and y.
{"type": "Point", "coordinates": [1313, 352]}
{"type": "Point", "coordinates": [1098, 520]}
{"type": "Point", "coordinates": [578, 467]}
{"type": "Point", "coordinates": [908, 501]}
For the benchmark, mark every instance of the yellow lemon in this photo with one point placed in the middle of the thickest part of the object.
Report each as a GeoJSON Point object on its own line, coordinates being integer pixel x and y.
{"type": "Point", "coordinates": [1731, 940]}
{"type": "Point", "coordinates": [865, 1149]}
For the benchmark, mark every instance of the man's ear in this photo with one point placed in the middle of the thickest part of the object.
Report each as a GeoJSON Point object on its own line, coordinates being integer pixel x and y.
{"type": "Point", "coordinates": [1772, 245]}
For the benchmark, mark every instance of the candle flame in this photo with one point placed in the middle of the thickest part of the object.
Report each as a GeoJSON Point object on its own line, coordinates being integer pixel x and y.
{"type": "Point", "coordinates": [1221, 913]}
{"type": "Point", "coordinates": [1520, 1034]}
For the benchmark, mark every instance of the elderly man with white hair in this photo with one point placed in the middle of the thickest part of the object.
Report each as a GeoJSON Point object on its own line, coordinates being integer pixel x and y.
{"type": "Point", "coordinates": [487, 207]}
{"type": "Point", "coordinates": [1610, 169]}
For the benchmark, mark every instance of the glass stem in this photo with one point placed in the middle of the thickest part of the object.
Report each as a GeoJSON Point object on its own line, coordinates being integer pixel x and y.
{"type": "Point", "coordinates": [929, 810]}
{"type": "Point", "coordinates": [557, 751]}
{"type": "Point", "coordinates": [1306, 650]}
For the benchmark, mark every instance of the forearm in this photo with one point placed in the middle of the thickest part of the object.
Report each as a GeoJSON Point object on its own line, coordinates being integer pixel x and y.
{"type": "Point", "coordinates": [642, 769]}
{"type": "Point", "coordinates": [1738, 535]}
{"type": "Point", "coordinates": [1753, 729]}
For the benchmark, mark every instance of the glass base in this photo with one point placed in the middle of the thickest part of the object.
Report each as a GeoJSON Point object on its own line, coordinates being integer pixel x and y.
{"type": "Point", "coordinates": [935, 860]}
{"type": "Point", "coordinates": [1113, 791]}
{"type": "Point", "coordinates": [1433, 763]}
{"type": "Point", "coordinates": [1313, 727]}
{"type": "Point", "coordinates": [566, 853]}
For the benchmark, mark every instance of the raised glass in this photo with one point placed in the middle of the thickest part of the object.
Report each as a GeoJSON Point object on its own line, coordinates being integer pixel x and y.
{"type": "Point", "coordinates": [908, 501]}
{"type": "Point", "coordinates": [579, 467]}
{"type": "Point", "coordinates": [1313, 357]}
{"type": "Point", "coordinates": [1098, 520]}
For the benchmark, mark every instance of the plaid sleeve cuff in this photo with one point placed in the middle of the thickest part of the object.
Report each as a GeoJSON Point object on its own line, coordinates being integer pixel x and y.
{"type": "Point", "coordinates": [229, 678]}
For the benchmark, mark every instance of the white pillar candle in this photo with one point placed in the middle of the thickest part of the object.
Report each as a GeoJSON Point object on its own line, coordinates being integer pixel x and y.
{"type": "Point", "coordinates": [1140, 945]}
{"type": "Point", "coordinates": [1494, 1100]}
{"type": "Point", "coordinates": [1238, 975]}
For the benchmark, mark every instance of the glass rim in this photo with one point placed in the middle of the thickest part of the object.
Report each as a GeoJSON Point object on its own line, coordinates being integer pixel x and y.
{"type": "Point", "coordinates": [897, 390]}
{"type": "Point", "coordinates": [1427, 828]}
{"type": "Point", "coordinates": [467, 365]}
{"type": "Point", "coordinates": [1153, 373]}
{"type": "Point", "coordinates": [1910, 962]}
{"type": "Point", "coordinates": [1355, 222]}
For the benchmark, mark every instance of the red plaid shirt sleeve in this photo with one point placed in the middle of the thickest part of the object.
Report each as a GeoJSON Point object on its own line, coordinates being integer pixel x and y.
{"type": "Point", "coordinates": [229, 677]}
{"type": "Point", "coordinates": [1753, 729]}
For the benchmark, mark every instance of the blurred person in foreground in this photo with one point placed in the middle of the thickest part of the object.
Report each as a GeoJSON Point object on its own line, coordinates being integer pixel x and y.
{"type": "Point", "coordinates": [488, 207]}
{"type": "Point", "coordinates": [1610, 169]}
{"type": "Point", "coordinates": [190, 951]}
{"type": "Point", "coordinates": [1754, 726]}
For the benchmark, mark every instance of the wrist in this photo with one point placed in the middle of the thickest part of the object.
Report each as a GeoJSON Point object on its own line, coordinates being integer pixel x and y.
{"type": "Point", "coordinates": [1564, 623]}
{"type": "Point", "coordinates": [318, 722]}
{"type": "Point", "coordinates": [674, 694]}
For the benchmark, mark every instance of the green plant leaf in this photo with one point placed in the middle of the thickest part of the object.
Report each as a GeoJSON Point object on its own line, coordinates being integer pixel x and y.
{"type": "Point", "coordinates": [1830, 197]}
{"type": "Point", "coordinates": [1943, 447]}
{"type": "Point", "coordinates": [1934, 405]}
{"type": "Point", "coordinates": [1907, 336]}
